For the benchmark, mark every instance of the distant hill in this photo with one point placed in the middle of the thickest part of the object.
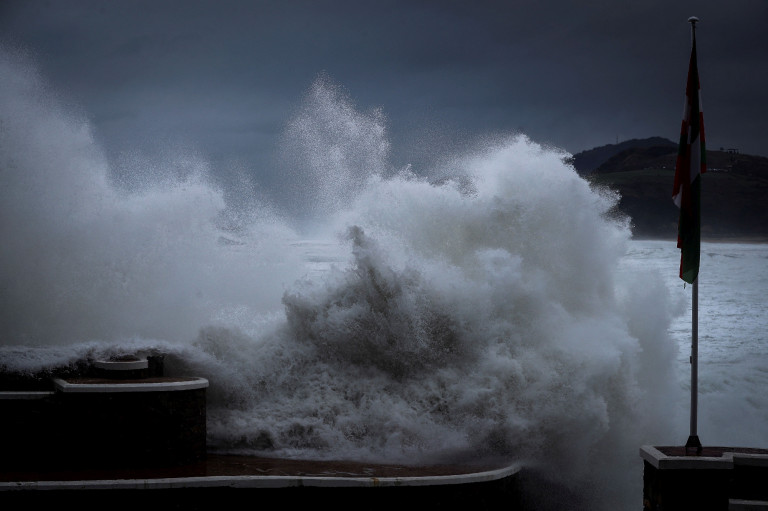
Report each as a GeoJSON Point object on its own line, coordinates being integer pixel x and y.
{"type": "Point", "coordinates": [734, 189]}
{"type": "Point", "coordinates": [587, 162]}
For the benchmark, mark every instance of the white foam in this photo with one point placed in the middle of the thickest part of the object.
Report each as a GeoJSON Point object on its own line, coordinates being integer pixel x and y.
{"type": "Point", "coordinates": [482, 314]}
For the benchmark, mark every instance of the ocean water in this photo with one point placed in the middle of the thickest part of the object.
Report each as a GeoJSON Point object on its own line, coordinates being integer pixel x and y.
{"type": "Point", "coordinates": [490, 307]}
{"type": "Point", "coordinates": [732, 337]}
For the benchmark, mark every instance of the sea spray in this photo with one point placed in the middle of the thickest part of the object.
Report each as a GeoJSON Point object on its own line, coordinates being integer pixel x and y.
{"type": "Point", "coordinates": [90, 255]}
{"type": "Point", "coordinates": [543, 349]}
{"type": "Point", "coordinates": [472, 316]}
{"type": "Point", "coordinates": [329, 152]}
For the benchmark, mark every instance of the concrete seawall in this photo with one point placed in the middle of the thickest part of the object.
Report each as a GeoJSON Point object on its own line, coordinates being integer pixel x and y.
{"type": "Point", "coordinates": [716, 479]}
{"type": "Point", "coordinates": [121, 435]}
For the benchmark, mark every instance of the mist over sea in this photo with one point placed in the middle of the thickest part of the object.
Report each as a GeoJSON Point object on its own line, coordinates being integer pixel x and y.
{"type": "Point", "coordinates": [488, 307]}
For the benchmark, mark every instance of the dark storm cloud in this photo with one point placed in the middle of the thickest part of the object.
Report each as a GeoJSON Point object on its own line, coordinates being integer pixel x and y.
{"type": "Point", "coordinates": [226, 76]}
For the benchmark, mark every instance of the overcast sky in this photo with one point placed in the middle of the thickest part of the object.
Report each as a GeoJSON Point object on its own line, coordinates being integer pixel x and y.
{"type": "Point", "coordinates": [226, 76]}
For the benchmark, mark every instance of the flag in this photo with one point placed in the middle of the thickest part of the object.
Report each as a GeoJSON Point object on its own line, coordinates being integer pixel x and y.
{"type": "Point", "coordinates": [691, 163]}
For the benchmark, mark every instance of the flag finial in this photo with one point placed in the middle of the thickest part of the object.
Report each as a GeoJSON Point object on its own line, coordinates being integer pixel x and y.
{"type": "Point", "coordinates": [693, 20]}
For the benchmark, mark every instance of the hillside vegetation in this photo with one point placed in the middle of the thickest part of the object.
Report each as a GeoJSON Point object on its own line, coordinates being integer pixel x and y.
{"type": "Point", "coordinates": [734, 190]}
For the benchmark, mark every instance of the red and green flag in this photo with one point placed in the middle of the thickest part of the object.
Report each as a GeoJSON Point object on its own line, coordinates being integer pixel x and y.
{"type": "Point", "coordinates": [691, 163]}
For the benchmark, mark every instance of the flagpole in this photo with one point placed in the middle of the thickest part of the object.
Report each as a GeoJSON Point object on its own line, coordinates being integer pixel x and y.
{"type": "Point", "coordinates": [693, 438]}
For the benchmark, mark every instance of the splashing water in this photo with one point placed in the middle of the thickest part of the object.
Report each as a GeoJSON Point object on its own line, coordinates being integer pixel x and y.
{"type": "Point", "coordinates": [477, 315]}
{"type": "Point", "coordinates": [330, 152]}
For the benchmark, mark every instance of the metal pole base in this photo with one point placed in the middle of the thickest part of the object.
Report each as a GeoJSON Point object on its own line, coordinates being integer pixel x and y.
{"type": "Point", "coordinates": [693, 444]}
